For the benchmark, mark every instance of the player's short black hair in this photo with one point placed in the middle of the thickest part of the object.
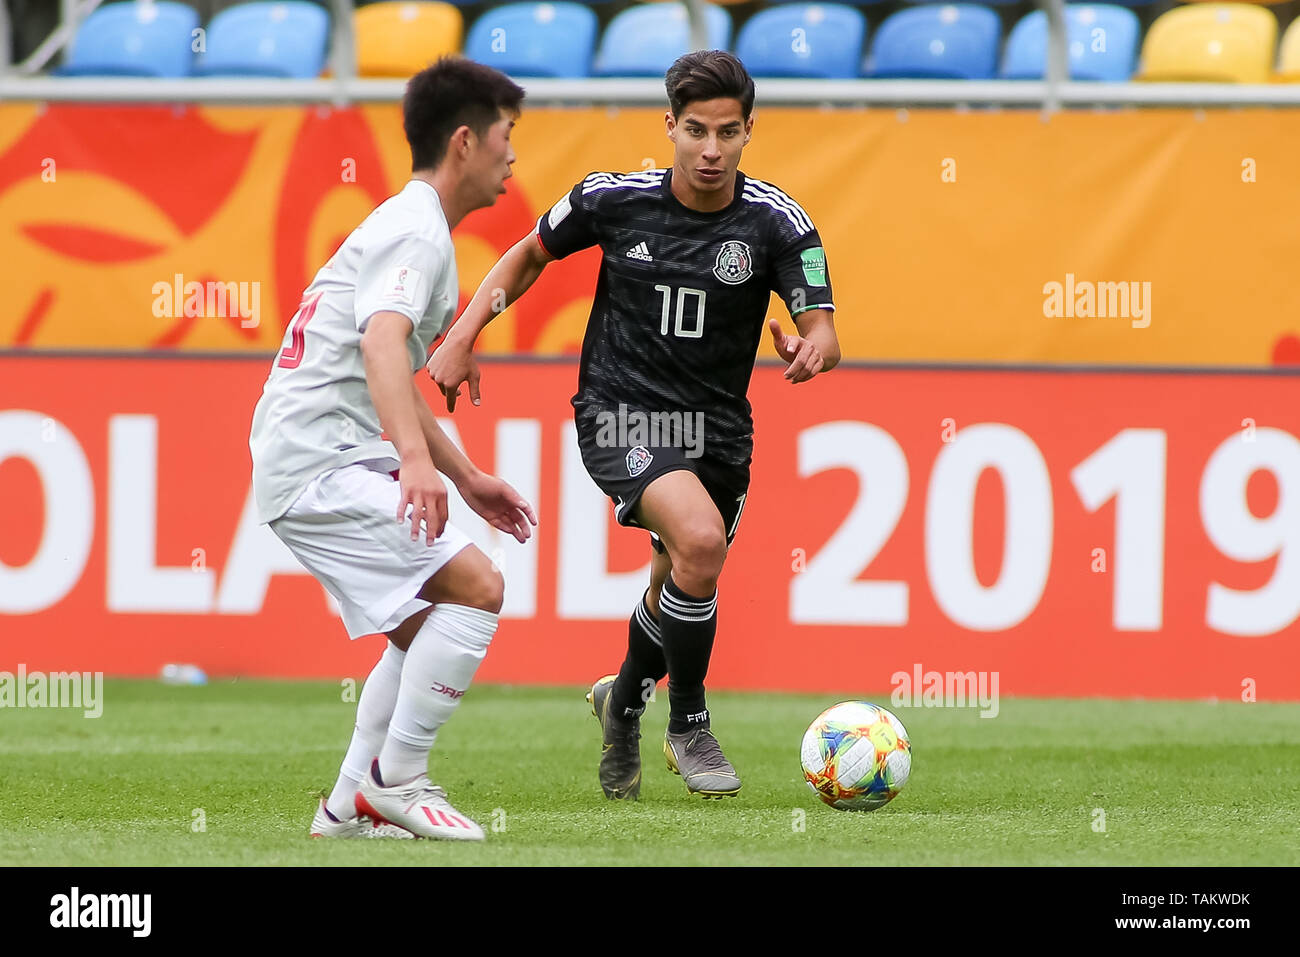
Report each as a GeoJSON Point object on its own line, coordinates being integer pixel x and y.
{"type": "Point", "coordinates": [708, 75]}
{"type": "Point", "coordinates": [452, 93]}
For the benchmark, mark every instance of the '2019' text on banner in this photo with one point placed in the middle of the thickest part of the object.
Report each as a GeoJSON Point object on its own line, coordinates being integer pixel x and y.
{"type": "Point", "coordinates": [1079, 533]}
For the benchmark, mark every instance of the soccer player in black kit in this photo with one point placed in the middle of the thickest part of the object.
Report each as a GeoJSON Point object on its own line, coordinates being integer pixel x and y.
{"type": "Point", "coordinates": [691, 255]}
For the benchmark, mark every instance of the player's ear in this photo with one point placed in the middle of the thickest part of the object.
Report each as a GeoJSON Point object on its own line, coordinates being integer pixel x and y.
{"type": "Point", "coordinates": [462, 139]}
{"type": "Point", "coordinates": [670, 125]}
{"type": "Point", "coordinates": [749, 129]}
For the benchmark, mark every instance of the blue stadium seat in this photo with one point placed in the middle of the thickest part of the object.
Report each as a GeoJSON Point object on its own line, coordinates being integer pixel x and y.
{"type": "Point", "coordinates": [282, 39]}
{"type": "Point", "coordinates": [805, 39]}
{"type": "Point", "coordinates": [644, 41]}
{"type": "Point", "coordinates": [134, 39]}
{"type": "Point", "coordinates": [950, 42]}
{"type": "Point", "coordinates": [1102, 41]}
{"type": "Point", "coordinates": [535, 39]}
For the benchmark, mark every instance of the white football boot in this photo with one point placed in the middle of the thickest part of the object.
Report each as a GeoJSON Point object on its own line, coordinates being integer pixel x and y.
{"type": "Point", "coordinates": [420, 806]}
{"type": "Point", "coordinates": [322, 825]}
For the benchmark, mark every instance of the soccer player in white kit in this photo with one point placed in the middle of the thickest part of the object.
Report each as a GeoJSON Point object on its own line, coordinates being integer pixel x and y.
{"type": "Point", "coordinates": [338, 494]}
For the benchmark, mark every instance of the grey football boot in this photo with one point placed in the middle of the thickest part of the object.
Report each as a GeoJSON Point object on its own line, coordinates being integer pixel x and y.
{"type": "Point", "coordinates": [620, 748]}
{"type": "Point", "coordinates": [698, 758]}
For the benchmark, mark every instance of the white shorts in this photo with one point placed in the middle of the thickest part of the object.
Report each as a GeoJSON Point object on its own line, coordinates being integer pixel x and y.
{"type": "Point", "coordinates": [343, 528]}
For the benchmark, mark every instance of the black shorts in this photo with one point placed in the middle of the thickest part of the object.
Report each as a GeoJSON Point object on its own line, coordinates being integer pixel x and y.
{"type": "Point", "coordinates": [623, 473]}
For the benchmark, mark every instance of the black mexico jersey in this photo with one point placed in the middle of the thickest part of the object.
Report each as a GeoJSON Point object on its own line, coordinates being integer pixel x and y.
{"type": "Point", "coordinates": [682, 297]}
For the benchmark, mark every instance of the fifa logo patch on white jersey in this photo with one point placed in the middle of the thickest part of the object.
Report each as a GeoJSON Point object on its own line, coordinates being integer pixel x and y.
{"type": "Point", "coordinates": [638, 460]}
{"type": "Point", "coordinates": [401, 284]}
{"type": "Point", "coordinates": [735, 263]}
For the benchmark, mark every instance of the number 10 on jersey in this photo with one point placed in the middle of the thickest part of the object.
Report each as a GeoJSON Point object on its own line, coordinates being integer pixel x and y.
{"type": "Point", "coordinates": [683, 293]}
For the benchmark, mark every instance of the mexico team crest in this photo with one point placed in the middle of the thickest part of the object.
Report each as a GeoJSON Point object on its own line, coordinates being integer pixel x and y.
{"type": "Point", "coordinates": [735, 264]}
{"type": "Point", "coordinates": [638, 460]}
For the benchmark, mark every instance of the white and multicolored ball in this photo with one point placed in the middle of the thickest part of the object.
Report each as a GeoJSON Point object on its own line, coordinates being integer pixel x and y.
{"type": "Point", "coordinates": [856, 756]}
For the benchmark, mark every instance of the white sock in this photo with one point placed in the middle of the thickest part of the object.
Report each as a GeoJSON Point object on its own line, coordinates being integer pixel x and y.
{"type": "Point", "coordinates": [374, 709]}
{"type": "Point", "coordinates": [440, 663]}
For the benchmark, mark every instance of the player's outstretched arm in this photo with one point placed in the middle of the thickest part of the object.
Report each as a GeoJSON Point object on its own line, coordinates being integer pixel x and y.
{"type": "Point", "coordinates": [452, 363]}
{"type": "Point", "coordinates": [816, 349]}
{"type": "Point", "coordinates": [388, 377]}
{"type": "Point", "coordinates": [494, 499]}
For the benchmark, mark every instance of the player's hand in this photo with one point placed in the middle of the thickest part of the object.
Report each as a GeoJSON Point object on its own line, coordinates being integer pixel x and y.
{"type": "Point", "coordinates": [450, 366]}
{"type": "Point", "coordinates": [425, 496]}
{"type": "Point", "coordinates": [804, 357]}
{"type": "Point", "coordinates": [503, 507]}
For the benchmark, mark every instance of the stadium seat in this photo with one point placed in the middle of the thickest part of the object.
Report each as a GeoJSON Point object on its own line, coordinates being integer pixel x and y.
{"type": "Point", "coordinates": [807, 39]}
{"type": "Point", "coordinates": [1288, 61]}
{"type": "Point", "coordinates": [535, 39]}
{"type": "Point", "coordinates": [1101, 41]}
{"type": "Point", "coordinates": [401, 38]}
{"type": "Point", "coordinates": [950, 42]}
{"type": "Point", "coordinates": [1211, 43]}
{"type": "Point", "coordinates": [134, 39]}
{"type": "Point", "coordinates": [644, 41]}
{"type": "Point", "coordinates": [282, 39]}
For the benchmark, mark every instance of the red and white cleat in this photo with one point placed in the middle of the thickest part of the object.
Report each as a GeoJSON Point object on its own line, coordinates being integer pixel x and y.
{"type": "Point", "coordinates": [419, 806]}
{"type": "Point", "coordinates": [323, 825]}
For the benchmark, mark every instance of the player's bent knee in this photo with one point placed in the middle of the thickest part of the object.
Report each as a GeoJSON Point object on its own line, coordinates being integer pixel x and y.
{"type": "Point", "coordinates": [491, 593]}
{"type": "Point", "coordinates": [486, 590]}
{"type": "Point", "coordinates": [699, 553]}
{"type": "Point", "coordinates": [469, 579]}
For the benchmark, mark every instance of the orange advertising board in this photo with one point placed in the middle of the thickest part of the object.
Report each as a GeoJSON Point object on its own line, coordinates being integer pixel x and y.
{"type": "Point", "coordinates": [1153, 237]}
{"type": "Point", "coordinates": [1076, 533]}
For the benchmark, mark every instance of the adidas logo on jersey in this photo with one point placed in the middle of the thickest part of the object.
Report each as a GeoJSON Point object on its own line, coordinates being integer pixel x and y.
{"type": "Point", "coordinates": [641, 252]}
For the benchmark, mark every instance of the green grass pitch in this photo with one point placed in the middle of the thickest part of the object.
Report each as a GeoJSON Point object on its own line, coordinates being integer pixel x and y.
{"type": "Point", "coordinates": [228, 774]}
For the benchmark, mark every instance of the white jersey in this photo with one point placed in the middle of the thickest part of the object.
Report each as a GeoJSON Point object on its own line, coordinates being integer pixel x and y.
{"type": "Point", "coordinates": [315, 413]}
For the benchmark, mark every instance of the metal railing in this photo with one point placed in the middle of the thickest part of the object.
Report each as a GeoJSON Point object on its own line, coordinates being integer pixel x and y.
{"type": "Point", "coordinates": [650, 92]}
{"type": "Point", "coordinates": [343, 86]}
{"type": "Point", "coordinates": [71, 13]}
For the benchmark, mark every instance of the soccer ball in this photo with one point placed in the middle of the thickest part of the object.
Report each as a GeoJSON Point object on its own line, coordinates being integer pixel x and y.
{"type": "Point", "coordinates": [856, 756]}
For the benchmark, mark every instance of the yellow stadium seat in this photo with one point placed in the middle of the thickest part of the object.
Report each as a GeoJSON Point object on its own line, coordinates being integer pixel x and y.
{"type": "Point", "coordinates": [401, 38]}
{"type": "Point", "coordinates": [1288, 66]}
{"type": "Point", "coordinates": [1211, 43]}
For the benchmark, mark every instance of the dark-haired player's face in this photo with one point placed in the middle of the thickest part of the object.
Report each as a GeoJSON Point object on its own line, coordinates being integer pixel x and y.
{"type": "Point", "coordinates": [491, 158]}
{"type": "Point", "coordinates": [708, 138]}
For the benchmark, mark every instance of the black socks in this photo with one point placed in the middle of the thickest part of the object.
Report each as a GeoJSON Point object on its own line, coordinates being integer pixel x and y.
{"type": "Point", "coordinates": [687, 624]}
{"type": "Point", "coordinates": [642, 668]}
